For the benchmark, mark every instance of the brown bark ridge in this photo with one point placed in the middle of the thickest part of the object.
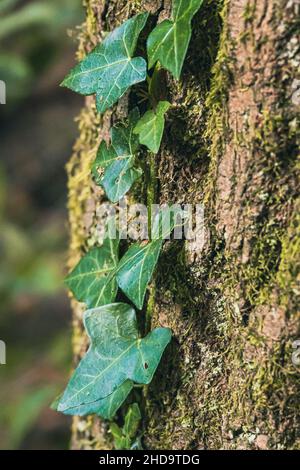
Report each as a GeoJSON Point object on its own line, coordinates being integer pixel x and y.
{"type": "Point", "coordinates": [227, 381]}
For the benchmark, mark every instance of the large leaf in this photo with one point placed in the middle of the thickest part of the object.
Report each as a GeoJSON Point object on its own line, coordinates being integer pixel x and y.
{"type": "Point", "coordinates": [136, 267]}
{"type": "Point", "coordinates": [110, 69]}
{"type": "Point", "coordinates": [105, 407]}
{"type": "Point", "coordinates": [114, 165]}
{"type": "Point", "coordinates": [151, 126]}
{"type": "Point", "coordinates": [168, 43]}
{"type": "Point", "coordinates": [116, 354]}
{"type": "Point", "coordinates": [93, 279]}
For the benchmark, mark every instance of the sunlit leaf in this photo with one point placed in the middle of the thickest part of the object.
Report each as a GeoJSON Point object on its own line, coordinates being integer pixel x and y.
{"type": "Point", "coordinates": [151, 126]}
{"type": "Point", "coordinates": [110, 69]}
{"type": "Point", "coordinates": [132, 420]}
{"type": "Point", "coordinates": [114, 165]}
{"type": "Point", "coordinates": [168, 43]}
{"type": "Point", "coordinates": [121, 442]}
{"type": "Point", "coordinates": [124, 437]}
{"type": "Point", "coordinates": [116, 354]}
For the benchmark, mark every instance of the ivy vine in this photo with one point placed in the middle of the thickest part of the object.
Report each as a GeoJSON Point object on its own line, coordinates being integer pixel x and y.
{"type": "Point", "coordinates": [118, 358]}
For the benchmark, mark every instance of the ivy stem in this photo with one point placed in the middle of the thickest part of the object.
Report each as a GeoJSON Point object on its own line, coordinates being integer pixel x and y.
{"type": "Point", "coordinates": [151, 182]}
{"type": "Point", "coordinates": [151, 199]}
{"type": "Point", "coordinates": [151, 189]}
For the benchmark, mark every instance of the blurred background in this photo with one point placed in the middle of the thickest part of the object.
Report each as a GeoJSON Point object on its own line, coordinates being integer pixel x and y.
{"type": "Point", "coordinates": [37, 131]}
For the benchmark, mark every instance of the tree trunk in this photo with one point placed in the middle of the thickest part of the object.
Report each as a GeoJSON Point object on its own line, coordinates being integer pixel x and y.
{"type": "Point", "coordinates": [227, 381]}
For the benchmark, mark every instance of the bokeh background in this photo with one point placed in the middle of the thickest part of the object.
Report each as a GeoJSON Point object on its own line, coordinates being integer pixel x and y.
{"type": "Point", "coordinates": [37, 131]}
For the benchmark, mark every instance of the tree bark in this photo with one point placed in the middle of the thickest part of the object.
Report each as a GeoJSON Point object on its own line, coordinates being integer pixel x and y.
{"type": "Point", "coordinates": [227, 381]}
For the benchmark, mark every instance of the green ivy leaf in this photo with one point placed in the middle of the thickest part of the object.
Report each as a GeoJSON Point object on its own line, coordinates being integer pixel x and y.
{"type": "Point", "coordinates": [136, 267]}
{"type": "Point", "coordinates": [93, 280]}
{"type": "Point", "coordinates": [132, 421]}
{"type": "Point", "coordinates": [151, 126]}
{"type": "Point", "coordinates": [118, 160]}
{"type": "Point", "coordinates": [106, 407]}
{"type": "Point", "coordinates": [123, 437]}
{"type": "Point", "coordinates": [121, 442]}
{"type": "Point", "coordinates": [110, 69]}
{"type": "Point", "coordinates": [116, 354]}
{"type": "Point", "coordinates": [168, 43]}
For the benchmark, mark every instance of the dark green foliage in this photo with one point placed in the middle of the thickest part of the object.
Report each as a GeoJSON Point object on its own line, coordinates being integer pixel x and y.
{"type": "Point", "coordinates": [117, 356]}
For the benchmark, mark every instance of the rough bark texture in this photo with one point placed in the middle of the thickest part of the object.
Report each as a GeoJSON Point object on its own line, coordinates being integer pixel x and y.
{"type": "Point", "coordinates": [227, 380]}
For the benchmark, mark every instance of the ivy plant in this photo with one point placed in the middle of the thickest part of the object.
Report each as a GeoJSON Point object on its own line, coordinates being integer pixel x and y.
{"type": "Point", "coordinates": [115, 166]}
{"type": "Point", "coordinates": [110, 69]}
{"type": "Point", "coordinates": [95, 278]}
{"type": "Point", "coordinates": [118, 357]}
{"type": "Point", "coordinates": [105, 407]}
{"type": "Point", "coordinates": [136, 268]}
{"type": "Point", "coordinates": [116, 354]}
{"type": "Point", "coordinates": [150, 127]}
{"type": "Point", "coordinates": [124, 438]}
{"type": "Point", "coordinates": [168, 43]}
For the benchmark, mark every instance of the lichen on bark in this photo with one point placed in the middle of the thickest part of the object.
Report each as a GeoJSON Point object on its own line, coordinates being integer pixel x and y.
{"type": "Point", "coordinates": [227, 380]}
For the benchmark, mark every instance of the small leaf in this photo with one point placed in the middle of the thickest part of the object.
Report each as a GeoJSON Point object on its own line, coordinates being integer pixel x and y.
{"type": "Point", "coordinates": [116, 354]}
{"type": "Point", "coordinates": [93, 279]}
{"type": "Point", "coordinates": [120, 441]}
{"type": "Point", "coordinates": [106, 407]}
{"type": "Point", "coordinates": [123, 437]}
{"type": "Point", "coordinates": [132, 421]}
{"type": "Point", "coordinates": [118, 160]}
{"type": "Point", "coordinates": [110, 69]}
{"type": "Point", "coordinates": [136, 268]}
{"type": "Point", "coordinates": [151, 126]}
{"type": "Point", "coordinates": [168, 43]}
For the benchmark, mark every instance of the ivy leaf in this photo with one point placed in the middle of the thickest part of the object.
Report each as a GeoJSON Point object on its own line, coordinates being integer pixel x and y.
{"type": "Point", "coordinates": [110, 69]}
{"type": "Point", "coordinates": [123, 437]}
{"type": "Point", "coordinates": [118, 160]}
{"type": "Point", "coordinates": [93, 280]}
{"type": "Point", "coordinates": [121, 442]}
{"type": "Point", "coordinates": [106, 407]}
{"type": "Point", "coordinates": [168, 43]}
{"type": "Point", "coordinates": [132, 421]}
{"type": "Point", "coordinates": [136, 268]}
{"type": "Point", "coordinates": [116, 354]}
{"type": "Point", "coordinates": [151, 126]}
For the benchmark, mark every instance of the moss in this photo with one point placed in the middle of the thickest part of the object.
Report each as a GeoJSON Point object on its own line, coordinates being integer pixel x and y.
{"type": "Point", "coordinates": [279, 165]}
{"type": "Point", "coordinates": [287, 277]}
{"type": "Point", "coordinates": [217, 128]}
